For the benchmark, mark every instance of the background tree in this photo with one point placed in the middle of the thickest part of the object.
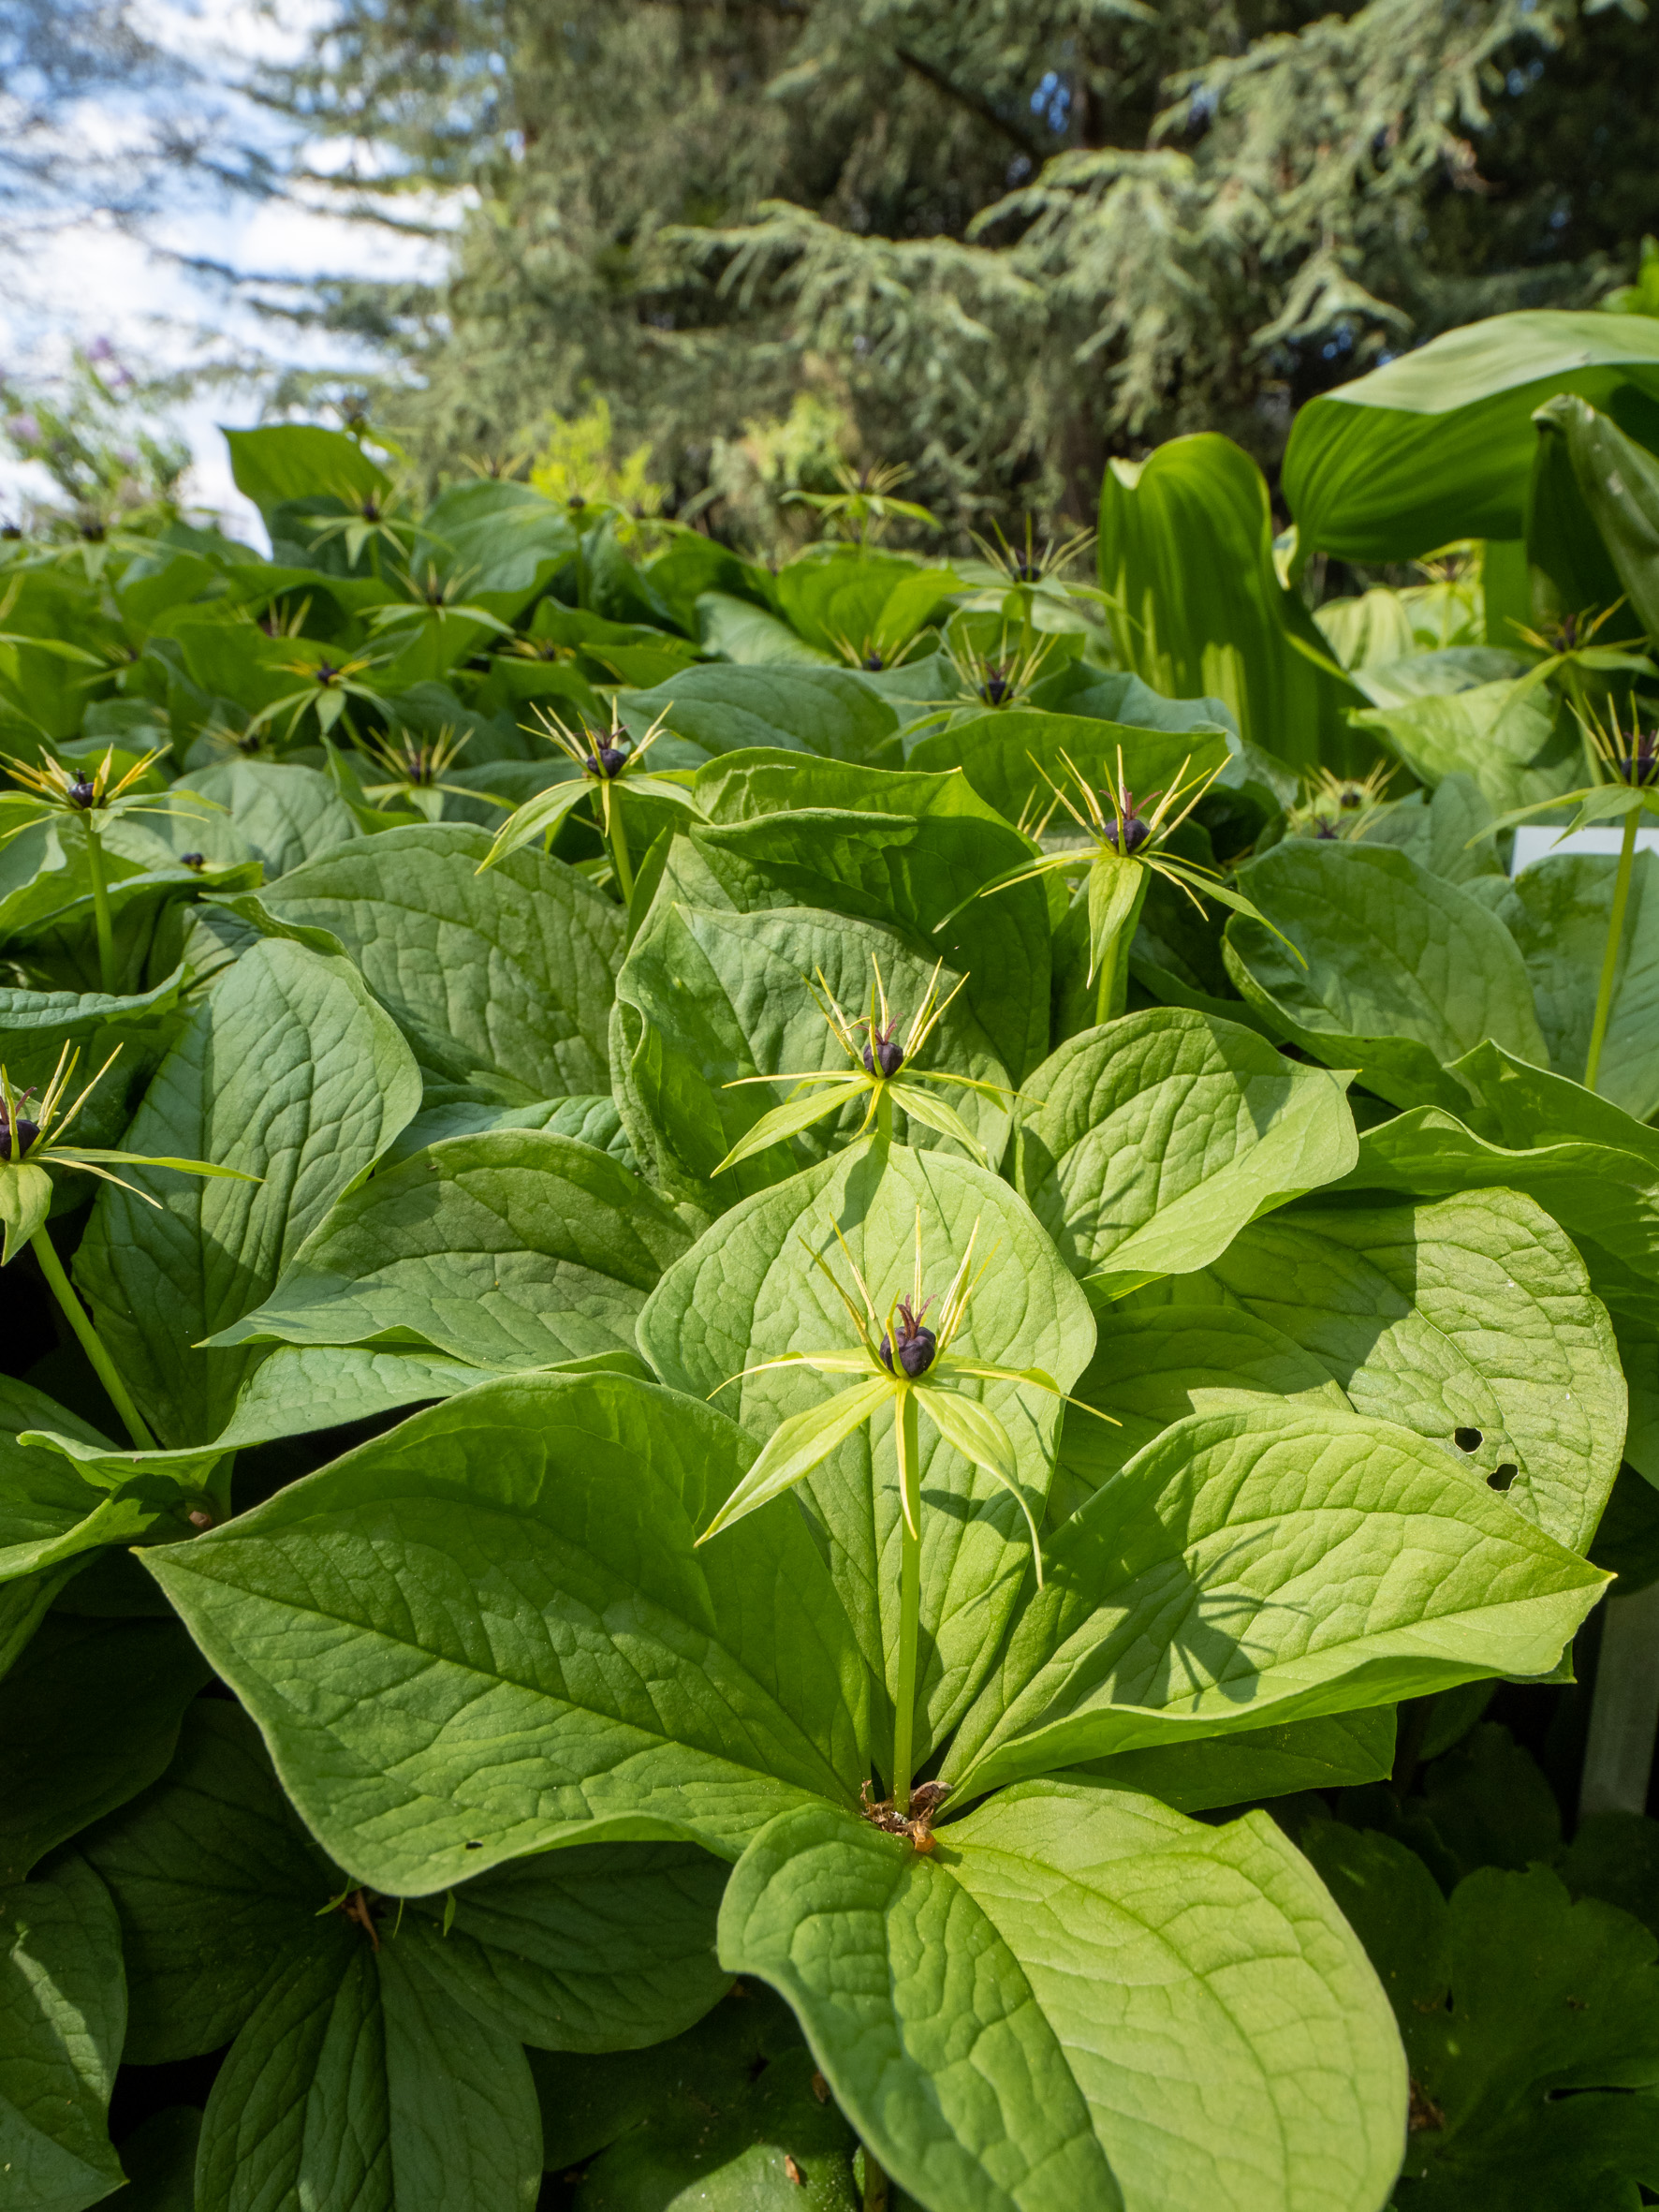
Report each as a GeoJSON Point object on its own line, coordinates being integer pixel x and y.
{"type": "Point", "coordinates": [995, 241]}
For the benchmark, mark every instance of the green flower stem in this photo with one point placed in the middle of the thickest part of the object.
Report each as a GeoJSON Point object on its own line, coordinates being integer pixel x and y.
{"type": "Point", "coordinates": [1604, 997]}
{"type": "Point", "coordinates": [51, 1267]}
{"type": "Point", "coordinates": [909, 1440]}
{"type": "Point", "coordinates": [884, 1114]}
{"type": "Point", "coordinates": [100, 909]}
{"type": "Point", "coordinates": [619, 847]}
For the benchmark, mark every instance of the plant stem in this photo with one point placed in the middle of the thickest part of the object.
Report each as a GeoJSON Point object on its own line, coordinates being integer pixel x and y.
{"type": "Point", "coordinates": [875, 2184]}
{"type": "Point", "coordinates": [1604, 997]}
{"type": "Point", "coordinates": [884, 1115]}
{"type": "Point", "coordinates": [100, 910]}
{"type": "Point", "coordinates": [1625, 1710]}
{"type": "Point", "coordinates": [907, 1430]}
{"type": "Point", "coordinates": [619, 847]}
{"type": "Point", "coordinates": [51, 1267]}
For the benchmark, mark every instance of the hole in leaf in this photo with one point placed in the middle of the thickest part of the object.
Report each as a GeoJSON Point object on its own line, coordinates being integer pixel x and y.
{"type": "Point", "coordinates": [1500, 1477]}
{"type": "Point", "coordinates": [1467, 1440]}
{"type": "Point", "coordinates": [474, 1847]}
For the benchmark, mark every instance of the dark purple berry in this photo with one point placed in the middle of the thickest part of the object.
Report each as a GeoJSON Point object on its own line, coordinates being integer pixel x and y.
{"type": "Point", "coordinates": [884, 1052]}
{"type": "Point", "coordinates": [82, 793]}
{"type": "Point", "coordinates": [607, 760]}
{"type": "Point", "coordinates": [1133, 836]}
{"type": "Point", "coordinates": [192, 860]}
{"type": "Point", "coordinates": [996, 688]}
{"type": "Point", "coordinates": [26, 1132]}
{"type": "Point", "coordinates": [1640, 765]}
{"type": "Point", "coordinates": [1325, 827]}
{"type": "Point", "coordinates": [916, 1345]}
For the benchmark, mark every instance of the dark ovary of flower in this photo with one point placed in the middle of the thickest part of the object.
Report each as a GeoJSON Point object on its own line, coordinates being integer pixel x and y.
{"type": "Point", "coordinates": [884, 1053]}
{"type": "Point", "coordinates": [26, 1132]}
{"type": "Point", "coordinates": [82, 793]}
{"type": "Point", "coordinates": [916, 1345]}
{"type": "Point", "coordinates": [1640, 765]}
{"type": "Point", "coordinates": [1133, 831]}
{"type": "Point", "coordinates": [607, 760]}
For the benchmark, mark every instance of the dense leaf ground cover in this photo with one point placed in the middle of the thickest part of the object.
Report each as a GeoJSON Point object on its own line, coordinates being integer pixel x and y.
{"type": "Point", "coordinates": [813, 1377]}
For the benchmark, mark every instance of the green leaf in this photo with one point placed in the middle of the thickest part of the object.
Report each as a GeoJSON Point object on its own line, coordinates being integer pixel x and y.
{"type": "Point", "coordinates": [849, 598]}
{"type": "Point", "coordinates": [516, 1248]}
{"type": "Point", "coordinates": [1148, 1144]}
{"type": "Point", "coordinates": [289, 1071]}
{"type": "Point", "coordinates": [721, 997]}
{"type": "Point", "coordinates": [747, 786]}
{"type": "Point", "coordinates": [1336, 1751]}
{"type": "Point", "coordinates": [708, 2119]}
{"type": "Point", "coordinates": [285, 816]}
{"type": "Point", "coordinates": [736, 631]}
{"type": "Point", "coordinates": [1558, 911]}
{"type": "Point", "coordinates": [1442, 831]}
{"type": "Point", "coordinates": [1438, 445]}
{"type": "Point", "coordinates": [1471, 1321]}
{"type": "Point", "coordinates": [1618, 480]}
{"type": "Point", "coordinates": [1511, 740]}
{"type": "Point", "coordinates": [724, 708]}
{"type": "Point", "coordinates": [908, 872]}
{"type": "Point", "coordinates": [990, 2017]}
{"type": "Point", "coordinates": [25, 1201]}
{"type": "Point", "coordinates": [89, 1716]}
{"type": "Point", "coordinates": [589, 1117]}
{"type": "Point", "coordinates": [1005, 756]}
{"type": "Point", "coordinates": [749, 1292]}
{"type": "Point", "coordinates": [1250, 1568]}
{"type": "Point", "coordinates": [1528, 2023]}
{"type": "Point", "coordinates": [1186, 554]}
{"type": "Point", "coordinates": [584, 1673]}
{"type": "Point", "coordinates": [63, 2006]}
{"type": "Point", "coordinates": [297, 461]}
{"type": "Point", "coordinates": [1154, 1365]}
{"type": "Point", "coordinates": [501, 982]}
{"type": "Point", "coordinates": [49, 1514]}
{"type": "Point", "coordinates": [1404, 972]}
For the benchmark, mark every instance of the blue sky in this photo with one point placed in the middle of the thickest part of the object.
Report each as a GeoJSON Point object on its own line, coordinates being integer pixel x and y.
{"type": "Point", "coordinates": [92, 279]}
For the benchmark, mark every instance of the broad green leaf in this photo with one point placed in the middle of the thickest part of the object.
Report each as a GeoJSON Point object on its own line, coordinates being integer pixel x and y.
{"type": "Point", "coordinates": [1438, 445]}
{"type": "Point", "coordinates": [516, 1248]}
{"type": "Point", "coordinates": [1154, 1365]}
{"type": "Point", "coordinates": [744, 787]}
{"type": "Point", "coordinates": [48, 1514]}
{"type": "Point", "coordinates": [1441, 830]}
{"type": "Point", "coordinates": [1528, 2023]}
{"type": "Point", "coordinates": [583, 1672]}
{"type": "Point", "coordinates": [749, 1292]}
{"type": "Point", "coordinates": [589, 1117]}
{"type": "Point", "coordinates": [35, 1026]}
{"type": "Point", "coordinates": [855, 604]}
{"type": "Point", "coordinates": [63, 2006]}
{"type": "Point", "coordinates": [724, 708]}
{"type": "Point", "coordinates": [708, 2119]}
{"type": "Point", "coordinates": [1007, 757]}
{"type": "Point", "coordinates": [507, 535]}
{"type": "Point", "coordinates": [1250, 1569]}
{"type": "Point", "coordinates": [1186, 556]}
{"type": "Point", "coordinates": [912, 873]}
{"type": "Point", "coordinates": [1583, 1159]}
{"type": "Point", "coordinates": [284, 814]}
{"type": "Point", "coordinates": [299, 1387]}
{"type": "Point", "coordinates": [1510, 739]}
{"type": "Point", "coordinates": [738, 630]}
{"type": "Point", "coordinates": [297, 461]}
{"type": "Point", "coordinates": [1334, 1752]}
{"type": "Point", "coordinates": [1558, 912]}
{"type": "Point", "coordinates": [289, 1071]}
{"type": "Point", "coordinates": [1080, 1999]}
{"type": "Point", "coordinates": [89, 1716]}
{"type": "Point", "coordinates": [1403, 973]}
{"type": "Point", "coordinates": [1147, 1144]}
{"type": "Point", "coordinates": [501, 982]}
{"type": "Point", "coordinates": [1618, 481]}
{"type": "Point", "coordinates": [723, 997]}
{"type": "Point", "coordinates": [1471, 1321]}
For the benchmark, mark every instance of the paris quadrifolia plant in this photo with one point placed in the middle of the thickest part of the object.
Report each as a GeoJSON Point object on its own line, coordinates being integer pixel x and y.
{"type": "Point", "coordinates": [1123, 843]}
{"type": "Point", "coordinates": [88, 799]}
{"type": "Point", "coordinates": [1624, 762]}
{"type": "Point", "coordinates": [903, 1362]}
{"type": "Point", "coordinates": [1336, 805]}
{"type": "Point", "coordinates": [325, 685]}
{"type": "Point", "coordinates": [607, 763]}
{"type": "Point", "coordinates": [416, 771]}
{"type": "Point", "coordinates": [32, 1148]}
{"type": "Point", "coordinates": [881, 1068]}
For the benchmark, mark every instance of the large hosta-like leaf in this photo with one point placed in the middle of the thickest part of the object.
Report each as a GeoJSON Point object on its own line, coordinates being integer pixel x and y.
{"type": "Point", "coordinates": [487, 1632]}
{"type": "Point", "coordinates": [726, 709]}
{"type": "Point", "coordinates": [516, 1248]}
{"type": "Point", "coordinates": [502, 982]}
{"type": "Point", "coordinates": [1394, 972]}
{"type": "Point", "coordinates": [1014, 756]}
{"type": "Point", "coordinates": [62, 2007]}
{"type": "Point", "coordinates": [1149, 1144]}
{"type": "Point", "coordinates": [1254, 1568]}
{"type": "Point", "coordinates": [749, 1292]}
{"type": "Point", "coordinates": [290, 1072]}
{"type": "Point", "coordinates": [1081, 2000]}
